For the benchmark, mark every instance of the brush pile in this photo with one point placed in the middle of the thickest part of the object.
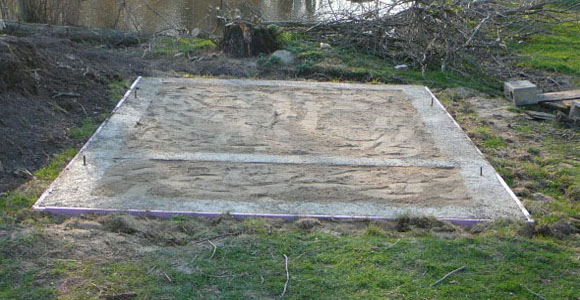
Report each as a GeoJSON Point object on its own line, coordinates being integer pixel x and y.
{"type": "Point", "coordinates": [458, 35]}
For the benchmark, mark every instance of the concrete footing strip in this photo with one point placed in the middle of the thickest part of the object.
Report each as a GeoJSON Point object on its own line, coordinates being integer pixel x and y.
{"type": "Point", "coordinates": [499, 178]}
{"type": "Point", "coordinates": [303, 160]}
{"type": "Point", "coordinates": [75, 212]}
{"type": "Point", "coordinates": [51, 187]}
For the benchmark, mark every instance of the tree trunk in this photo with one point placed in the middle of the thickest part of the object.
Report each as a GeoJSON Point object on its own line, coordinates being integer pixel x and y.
{"type": "Point", "coordinates": [242, 39]}
{"type": "Point", "coordinates": [23, 5]}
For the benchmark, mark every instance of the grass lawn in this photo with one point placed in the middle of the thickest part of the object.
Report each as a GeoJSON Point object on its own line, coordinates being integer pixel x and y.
{"type": "Point", "coordinates": [557, 50]}
{"type": "Point", "coordinates": [248, 262]}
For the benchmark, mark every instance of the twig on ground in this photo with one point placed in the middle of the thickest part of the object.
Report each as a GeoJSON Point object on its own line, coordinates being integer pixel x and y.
{"type": "Point", "coordinates": [83, 108]}
{"type": "Point", "coordinates": [447, 275]}
{"type": "Point", "coordinates": [221, 236]}
{"type": "Point", "coordinates": [167, 276]}
{"type": "Point", "coordinates": [393, 244]}
{"type": "Point", "coordinates": [58, 107]}
{"type": "Point", "coordinates": [120, 296]}
{"type": "Point", "coordinates": [214, 249]}
{"type": "Point", "coordinates": [287, 277]}
{"type": "Point", "coordinates": [58, 95]}
{"type": "Point", "coordinates": [534, 293]}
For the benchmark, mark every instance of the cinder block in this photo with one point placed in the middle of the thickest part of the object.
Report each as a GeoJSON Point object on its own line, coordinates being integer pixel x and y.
{"type": "Point", "coordinates": [521, 92]}
{"type": "Point", "coordinates": [575, 111]}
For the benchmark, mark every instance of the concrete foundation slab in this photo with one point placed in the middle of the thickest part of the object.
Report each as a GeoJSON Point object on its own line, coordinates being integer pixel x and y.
{"type": "Point", "coordinates": [279, 148]}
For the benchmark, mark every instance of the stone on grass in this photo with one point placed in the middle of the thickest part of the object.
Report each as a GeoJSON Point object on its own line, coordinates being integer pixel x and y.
{"type": "Point", "coordinates": [284, 56]}
{"type": "Point", "coordinates": [541, 197]}
{"type": "Point", "coordinates": [325, 46]}
{"type": "Point", "coordinates": [401, 67]}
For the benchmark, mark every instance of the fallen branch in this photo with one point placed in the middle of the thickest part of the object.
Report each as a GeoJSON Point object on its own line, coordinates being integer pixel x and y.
{"type": "Point", "coordinates": [120, 296]}
{"type": "Point", "coordinates": [214, 249]}
{"type": "Point", "coordinates": [217, 237]}
{"type": "Point", "coordinates": [73, 95]}
{"type": "Point", "coordinates": [447, 275]}
{"type": "Point", "coordinates": [58, 107]}
{"type": "Point", "coordinates": [287, 277]}
{"type": "Point", "coordinates": [393, 244]}
{"type": "Point", "coordinates": [534, 293]}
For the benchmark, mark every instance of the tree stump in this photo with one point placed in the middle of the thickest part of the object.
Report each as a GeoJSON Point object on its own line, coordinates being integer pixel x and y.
{"type": "Point", "coordinates": [242, 39]}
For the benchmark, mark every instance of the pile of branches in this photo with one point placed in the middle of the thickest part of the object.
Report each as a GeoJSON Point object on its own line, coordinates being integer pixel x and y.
{"type": "Point", "coordinates": [450, 35]}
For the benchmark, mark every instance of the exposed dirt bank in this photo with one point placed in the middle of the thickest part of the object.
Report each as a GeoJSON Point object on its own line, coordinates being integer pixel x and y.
{"type": "Point", "coordinates": [49, 86]}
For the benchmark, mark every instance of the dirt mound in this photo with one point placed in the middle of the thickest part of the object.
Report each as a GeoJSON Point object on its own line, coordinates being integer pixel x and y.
{"type": "Point", "coordinates": [47, 87]}
{"type": "Point", "coordinates": [18, 62]}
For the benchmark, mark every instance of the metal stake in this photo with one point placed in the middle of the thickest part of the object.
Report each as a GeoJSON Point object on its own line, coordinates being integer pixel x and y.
{"type": "Point", "coordinates": [480, 171]}
{"type": "Point", "coordinates": [84, 160]}
{"type": "Point", "coordinates": [432, 100]}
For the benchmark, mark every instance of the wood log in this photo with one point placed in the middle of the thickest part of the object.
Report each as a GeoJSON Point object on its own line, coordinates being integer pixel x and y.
{"type": "Point", "coordinates": [76, 33]}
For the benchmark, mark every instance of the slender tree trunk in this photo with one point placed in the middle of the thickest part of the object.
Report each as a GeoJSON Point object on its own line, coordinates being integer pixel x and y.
{"type": "Point", "coordinates": [23, 5]}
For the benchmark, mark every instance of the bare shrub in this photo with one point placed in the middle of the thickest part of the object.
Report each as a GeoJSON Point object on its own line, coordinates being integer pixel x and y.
{"type": "Point", "coordinates": [65, 12]}
{"type": "Point", "coordinates": [465, 36]}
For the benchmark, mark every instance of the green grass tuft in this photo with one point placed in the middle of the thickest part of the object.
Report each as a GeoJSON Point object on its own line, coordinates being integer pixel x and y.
{"type": "Point", "coordinates": [494, 142]}
{"type": "Point", "coordinates": [116, 91]}
{"type": "Point", "coordinates": [374, 230]}
{"type": "Point", "coordinates": [172, 46]}
{"type": "Point", "coordinates": [51, 171]}
{"type": "Point", "coordinates": [14, 202]}
{"type": "Point", "coordinates": [85, 131]}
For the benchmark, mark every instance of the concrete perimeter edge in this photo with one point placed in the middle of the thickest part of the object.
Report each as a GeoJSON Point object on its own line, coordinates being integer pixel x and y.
{"type": "Point", "coordinates": [75, 212]}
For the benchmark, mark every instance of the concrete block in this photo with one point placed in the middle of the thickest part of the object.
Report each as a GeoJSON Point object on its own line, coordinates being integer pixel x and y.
{"type": "Point", "coordinates": [575, 111]}
{"type": "Point", "coordinates": [521, 92]}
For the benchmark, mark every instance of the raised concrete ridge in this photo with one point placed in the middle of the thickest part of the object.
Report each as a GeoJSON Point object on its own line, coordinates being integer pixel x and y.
{"type": "Point", "coordinates": [281, 148]}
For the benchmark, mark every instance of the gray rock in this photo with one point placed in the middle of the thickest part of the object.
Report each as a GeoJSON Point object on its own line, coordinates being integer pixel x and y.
{"type": "Point", "coordinates": [541, 197]}
{"type": "Point", "coordinates": [285, 57]}
{"type": "Point", "coordinates": [401, 67]}
{"type": "Point", "coordinates": [195, 32]}
{"type": "Point", "coordinates": [84, 224]}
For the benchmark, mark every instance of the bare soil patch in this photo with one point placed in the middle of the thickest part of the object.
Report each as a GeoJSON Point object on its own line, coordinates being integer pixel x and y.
{"type": "Point", "coordinates": [47, 87]}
